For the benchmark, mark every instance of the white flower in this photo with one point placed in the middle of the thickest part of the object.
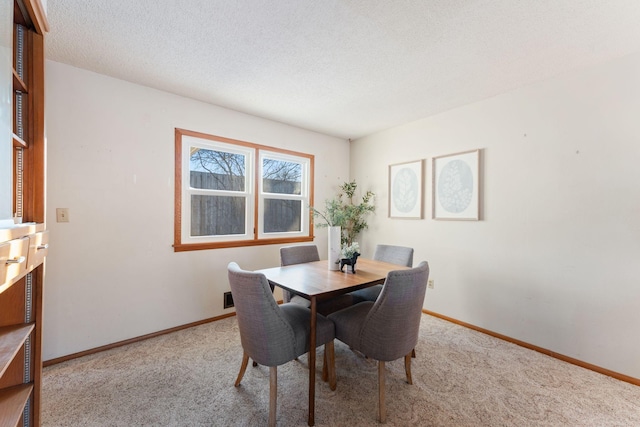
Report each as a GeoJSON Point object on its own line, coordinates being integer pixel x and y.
{"type": "Point", "coordinates": [349, 251]}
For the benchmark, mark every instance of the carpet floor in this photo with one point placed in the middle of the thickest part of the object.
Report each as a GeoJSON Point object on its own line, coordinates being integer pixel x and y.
{"type": "Point", "coordinates": [460, 378]}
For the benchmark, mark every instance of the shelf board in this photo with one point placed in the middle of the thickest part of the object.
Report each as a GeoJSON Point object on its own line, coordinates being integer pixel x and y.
{"type": "Point", "coordinates": [11, 340]}
{"type": "Point", "coordinates": [18, 142]}
{"type": "Point", "coordinates": [12, 403]}
{"type": "Point", "coordinates": [16, 231]}
{"type": "Point", "coordinates": [18, 83]}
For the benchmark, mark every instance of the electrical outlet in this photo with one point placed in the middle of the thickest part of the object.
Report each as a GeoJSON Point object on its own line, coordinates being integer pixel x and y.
{"type": "Point", "coordinates": [228, 300]}
{"type": "Point", "coordinates": [430, 284]}
{"type": "Point", "coordinates": [62, 215]}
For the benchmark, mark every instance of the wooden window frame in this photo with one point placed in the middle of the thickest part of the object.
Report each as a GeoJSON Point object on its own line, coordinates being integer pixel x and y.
{"type": "Point", "coordinates": [256, 238]}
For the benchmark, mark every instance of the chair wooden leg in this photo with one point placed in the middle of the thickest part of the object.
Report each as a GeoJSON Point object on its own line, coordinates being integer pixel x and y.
{"type": "Point", "coordinates": [382, 411]}
{"type": "Point", "coordinates": [255, 363]}
{"type": "Point", "coordinates": [243, 367]}
{"type": "Point", "coordinates": [273, 395]}
{"type": "Point", "coordinates": [413, 353]}
{"type": "Point", "coordinates": [330, 362]}
{"type": "Point", "coordinates": [325, 372]}
{"type": "Point", "coordinates": [407, 367]}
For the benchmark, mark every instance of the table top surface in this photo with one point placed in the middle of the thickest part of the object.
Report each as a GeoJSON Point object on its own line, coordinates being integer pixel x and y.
{"type": "Point", "coordinates": [314, 279]}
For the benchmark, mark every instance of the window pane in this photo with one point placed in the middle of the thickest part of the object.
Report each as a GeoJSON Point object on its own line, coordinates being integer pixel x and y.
{"type": "Point", "coordinates": [282, 215]}
{"type": "Point", "coordinates": [217, 215]}
{"type": "Point", "coordinates": [279, 176]}
{"type": "Point", "coordinates": [216, 170]}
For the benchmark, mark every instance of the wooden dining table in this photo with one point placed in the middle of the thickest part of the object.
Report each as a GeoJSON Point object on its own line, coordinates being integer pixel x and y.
{"type": "Point", "coordinates": [315, 282]}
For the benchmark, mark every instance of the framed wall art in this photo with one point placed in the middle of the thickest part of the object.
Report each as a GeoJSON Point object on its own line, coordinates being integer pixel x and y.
{"type": "Point", "coordinates": [405, 190]}
{"type": "Point", "coordinates": [456, 186]}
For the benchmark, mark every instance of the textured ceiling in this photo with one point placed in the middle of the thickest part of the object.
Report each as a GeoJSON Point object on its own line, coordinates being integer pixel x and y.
{"type": "Point", "coordinates": [347, 68]}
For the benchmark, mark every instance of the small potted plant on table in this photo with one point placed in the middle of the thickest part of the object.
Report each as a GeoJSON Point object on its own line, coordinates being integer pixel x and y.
{"type": "Point", "coordinates": [342, 211]}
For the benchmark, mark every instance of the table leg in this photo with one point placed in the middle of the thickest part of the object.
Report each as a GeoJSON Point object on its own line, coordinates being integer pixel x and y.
{"type": "Point", "coordinates": [312, 363]}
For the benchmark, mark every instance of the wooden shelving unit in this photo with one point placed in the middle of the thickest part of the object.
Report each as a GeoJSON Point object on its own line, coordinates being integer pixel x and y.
{"type": "Point", "coordinates": [12, 400]}
{"type": "Point", "coordinates": [23, 247]}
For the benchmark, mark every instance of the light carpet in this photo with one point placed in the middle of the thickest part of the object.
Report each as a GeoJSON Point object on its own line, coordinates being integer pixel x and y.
{"type": "Point", "coordinates": [460, 378]}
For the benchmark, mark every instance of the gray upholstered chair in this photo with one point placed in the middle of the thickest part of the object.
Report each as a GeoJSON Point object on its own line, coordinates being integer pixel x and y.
{"type": "Point", "coordinates": [273, 334]}
{"type": "Point", "coordinates": [399, 255]}
{"type": "Point", "coordinates": [299, 254]}
{"type": "Point", "coordinates": [387, 329]}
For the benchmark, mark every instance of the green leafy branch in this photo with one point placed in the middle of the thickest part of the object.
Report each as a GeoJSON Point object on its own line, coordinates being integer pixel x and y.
{"type": "Point", "coordinates": [343, 212]}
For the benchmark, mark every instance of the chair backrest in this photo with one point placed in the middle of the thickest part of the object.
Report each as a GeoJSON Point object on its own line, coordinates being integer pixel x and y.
{"type": "Point", "coordinates": [391, 328]}
{"type": "Point", "coordinates": [399, 255]}
{"type": "Point", "coordinates": [298, 254]}
{"type": "Point", "coordinates": [265, 334]}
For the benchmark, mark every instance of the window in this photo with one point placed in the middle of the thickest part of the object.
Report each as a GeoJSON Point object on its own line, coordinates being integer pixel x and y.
{"type": "Point", "coordinates": [234, 193]}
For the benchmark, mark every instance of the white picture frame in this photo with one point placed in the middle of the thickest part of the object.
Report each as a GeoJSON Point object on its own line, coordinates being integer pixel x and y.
{"type": "Point", "coordinates": [406, 190]}
{"type": "Point", "coordinates": [456, 186]}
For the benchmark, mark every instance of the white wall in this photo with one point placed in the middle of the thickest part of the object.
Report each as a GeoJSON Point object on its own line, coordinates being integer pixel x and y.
{"type": "Point", "coordinates": [556, 260]}
{"type": "Point", "coordinates": [111, 273]}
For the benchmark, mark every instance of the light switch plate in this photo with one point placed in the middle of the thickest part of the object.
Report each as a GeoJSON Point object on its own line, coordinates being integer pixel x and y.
{"type": "Point", "coordinates": [62, 215]}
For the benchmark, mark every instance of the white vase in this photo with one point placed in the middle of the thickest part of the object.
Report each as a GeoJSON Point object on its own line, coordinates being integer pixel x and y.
{"type": "Point", "coordinates": [334, 248]}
